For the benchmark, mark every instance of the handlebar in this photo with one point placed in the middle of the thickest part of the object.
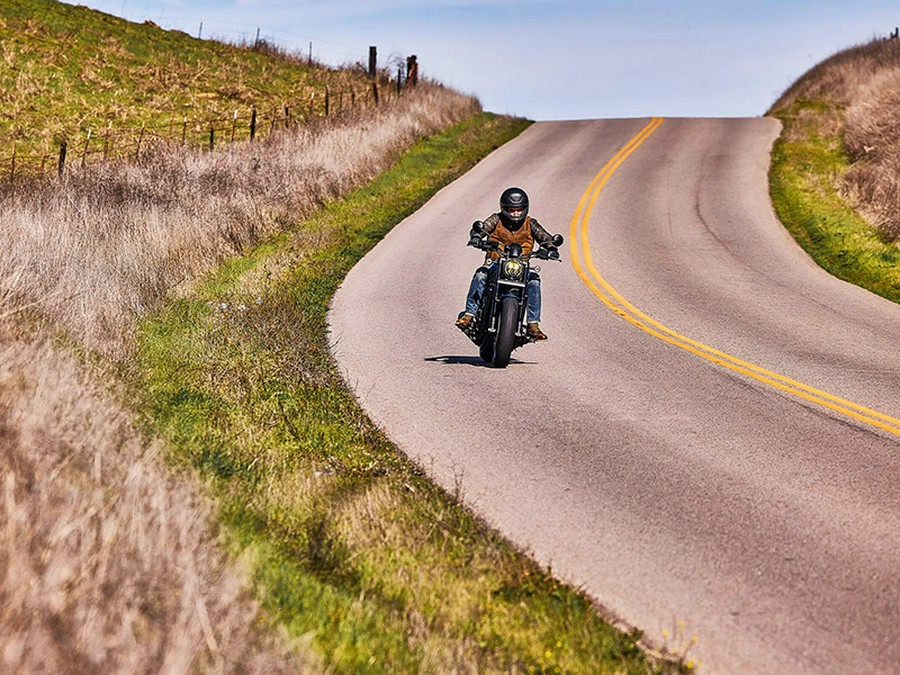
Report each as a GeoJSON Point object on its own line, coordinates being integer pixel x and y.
{"type": "Point", "coordinates": [540, 252]}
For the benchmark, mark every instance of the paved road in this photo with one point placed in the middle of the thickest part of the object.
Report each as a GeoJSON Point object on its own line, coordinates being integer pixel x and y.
{"type": "Point", "coordinates": [672, 488]}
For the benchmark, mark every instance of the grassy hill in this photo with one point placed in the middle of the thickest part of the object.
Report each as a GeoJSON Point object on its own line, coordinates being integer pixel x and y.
{"type": "Point", "coordinates": [67, 70]}
{"type": "Point", "coordinates": [835, 178]}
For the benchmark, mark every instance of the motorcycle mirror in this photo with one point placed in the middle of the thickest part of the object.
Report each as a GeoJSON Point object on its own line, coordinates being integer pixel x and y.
{"type": "Point", "coordinates": [478, 226]}
{"type": "Point", "coordinates": [558, 240]}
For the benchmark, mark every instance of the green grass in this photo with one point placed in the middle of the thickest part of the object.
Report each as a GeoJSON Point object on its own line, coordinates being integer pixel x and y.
{"type": "Point", "coordinates": [807, 163]}
{"type": "Point", "coordinates": [348, 543]}
{"type": "Point", "coordinates": [66, 70]}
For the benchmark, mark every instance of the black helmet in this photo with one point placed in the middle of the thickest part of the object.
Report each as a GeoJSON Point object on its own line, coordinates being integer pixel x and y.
{"type": "Point", "coordinates": [514, 205]}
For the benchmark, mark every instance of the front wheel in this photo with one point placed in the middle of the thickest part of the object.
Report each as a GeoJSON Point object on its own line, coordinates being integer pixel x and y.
{"type": "Point", "coordinates": [506, 332]}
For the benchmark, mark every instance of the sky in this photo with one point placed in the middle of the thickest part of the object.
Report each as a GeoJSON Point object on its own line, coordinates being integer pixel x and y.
{"type": "Point", "coordinates": [557, 59]}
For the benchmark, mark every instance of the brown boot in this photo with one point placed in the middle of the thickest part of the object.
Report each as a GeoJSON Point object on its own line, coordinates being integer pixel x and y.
{"type": "Point", "coordinates": [533, 330]}
{"type": "Point", "coordinates": [464, 321]}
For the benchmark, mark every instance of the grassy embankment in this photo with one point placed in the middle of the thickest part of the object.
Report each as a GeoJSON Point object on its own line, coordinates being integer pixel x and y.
{"type": "Point", "coordinates": [835, 175]}
{"type": "Point", "coordinates": [110, 561]}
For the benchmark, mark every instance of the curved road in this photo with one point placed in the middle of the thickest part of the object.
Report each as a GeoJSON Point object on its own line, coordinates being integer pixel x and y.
{"type": "Point", "coordinates": [716, 459]}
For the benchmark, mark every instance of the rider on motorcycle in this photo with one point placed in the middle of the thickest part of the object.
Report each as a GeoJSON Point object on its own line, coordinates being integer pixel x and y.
{"type": "Point", "coordinates": [512, 225]}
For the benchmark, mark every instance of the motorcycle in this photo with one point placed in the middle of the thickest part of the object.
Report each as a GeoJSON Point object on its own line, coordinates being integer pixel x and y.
{"type": "Point", "coordinates": [499, 324]}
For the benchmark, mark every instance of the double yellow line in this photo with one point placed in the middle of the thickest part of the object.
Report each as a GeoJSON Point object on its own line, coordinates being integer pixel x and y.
{"type": "Point", "coordinates": [580, 249]}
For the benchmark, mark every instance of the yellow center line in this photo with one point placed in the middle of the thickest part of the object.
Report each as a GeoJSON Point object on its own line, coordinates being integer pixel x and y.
{"type": "Point", "coordinates": [578, 234]}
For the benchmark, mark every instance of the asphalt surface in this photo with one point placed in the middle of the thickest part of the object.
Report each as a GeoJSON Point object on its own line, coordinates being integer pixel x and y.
{"type": "Point", "coordinates": [682, 495]}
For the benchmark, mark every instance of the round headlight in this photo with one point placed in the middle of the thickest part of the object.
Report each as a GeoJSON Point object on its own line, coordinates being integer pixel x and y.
{"type": "Point", "coordinates": [513, 269]}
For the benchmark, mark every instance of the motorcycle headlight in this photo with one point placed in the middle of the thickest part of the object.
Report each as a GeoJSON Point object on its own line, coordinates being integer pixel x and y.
{"type": "Point", "coordinates": [513, 269]}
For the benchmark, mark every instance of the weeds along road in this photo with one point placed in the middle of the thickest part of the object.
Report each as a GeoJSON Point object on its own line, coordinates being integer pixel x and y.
{"type": "Point", "coordinates": [708, 437]}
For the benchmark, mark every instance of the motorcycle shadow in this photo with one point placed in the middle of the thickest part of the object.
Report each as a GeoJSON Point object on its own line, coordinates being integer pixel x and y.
{"type": "Point", "coordinates": [473, 361]}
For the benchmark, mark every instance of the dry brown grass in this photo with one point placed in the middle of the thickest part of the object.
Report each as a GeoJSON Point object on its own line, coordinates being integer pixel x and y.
{"type": "Point", "coordinates": [872, 138]}
{"type": "Point", "coordinates": [839, 78]}
{"type": "Point", "coordinates": [861, 89]}
{"type": "Point", "coordinates": [110, 563]}
{"type": "Point", "coordinates": [102, 246]}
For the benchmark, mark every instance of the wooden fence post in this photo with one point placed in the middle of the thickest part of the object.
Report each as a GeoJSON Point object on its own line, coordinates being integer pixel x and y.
{"type": "Point", "coordinates": [375, 91]}
{"type": "Point", "coordinates": [326, 100]}
{"type": "Point", "coordinates": [412, 71]}
{"type": "Point", "coordinates": [184, 131]}
{"type": "Point", "coordinates": [212, 139]}
{"type": "Point", "coordinates": [62, 158]}
{"type": "Point", "coordinates": [373, 51]}
{"type": "Point", "coordinates": [253, 125]}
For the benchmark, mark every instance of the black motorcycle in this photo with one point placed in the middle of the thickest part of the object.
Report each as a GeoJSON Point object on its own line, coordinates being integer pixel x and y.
{"type": "Point", "coordinates": [499, 324]}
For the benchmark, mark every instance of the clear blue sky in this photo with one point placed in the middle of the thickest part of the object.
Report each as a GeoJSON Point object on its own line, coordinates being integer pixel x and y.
{"type": "Point", "coordinates": [559, 59]}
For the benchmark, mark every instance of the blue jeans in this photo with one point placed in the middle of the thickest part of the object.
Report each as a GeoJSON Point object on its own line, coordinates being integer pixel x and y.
{"type": "Point", "coordinates": [476, 289]}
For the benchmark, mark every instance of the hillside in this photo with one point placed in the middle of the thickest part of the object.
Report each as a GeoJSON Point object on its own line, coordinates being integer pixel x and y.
{"type": "Point", "coordinates": [66, 70]}
{"type": "Point", "coordinates": [836, 168]}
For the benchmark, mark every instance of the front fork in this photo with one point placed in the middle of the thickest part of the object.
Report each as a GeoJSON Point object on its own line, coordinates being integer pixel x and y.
{"type": "Point", "coordinates": [521, 296]}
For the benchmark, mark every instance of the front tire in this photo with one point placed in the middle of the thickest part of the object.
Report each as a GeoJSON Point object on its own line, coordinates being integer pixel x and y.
{"type": "Point", "coordinates": [506, 332]}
